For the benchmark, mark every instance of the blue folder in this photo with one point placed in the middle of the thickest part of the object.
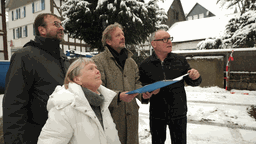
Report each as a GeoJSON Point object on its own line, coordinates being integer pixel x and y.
{"type": "Point", "coordinates": [156, 85]}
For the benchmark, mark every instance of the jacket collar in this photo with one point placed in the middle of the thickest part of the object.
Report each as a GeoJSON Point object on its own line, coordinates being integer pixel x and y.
{"type": "Point", "coordinates": [154, 57]}
{"type": "Point", "coordinates": [109, 54]}
{"type": "Point", "coordinates": [74, 95]}
{"type": "Point", "coordinates": [49, 45]}
{"type": "Point", "coordinates": [81, 101]}
{"type": "Point", "coordinates": [93, 98]}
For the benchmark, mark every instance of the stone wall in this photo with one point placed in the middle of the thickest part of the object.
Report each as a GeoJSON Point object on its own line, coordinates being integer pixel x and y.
{"type": "Point", "coordinates": [210, 69]}
{"type": "Point", "coordinates": [213, 68]}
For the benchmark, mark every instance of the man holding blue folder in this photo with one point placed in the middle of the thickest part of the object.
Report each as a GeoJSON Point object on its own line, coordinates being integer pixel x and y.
{"type": "Point", "coordinates": [169, 106]}
{"type": "Point", "coordinates": [120, 73]}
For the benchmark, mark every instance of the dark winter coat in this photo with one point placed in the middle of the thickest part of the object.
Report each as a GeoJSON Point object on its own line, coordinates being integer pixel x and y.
{"type": "Point", "coordinates": [116, 78]}
{"type": "Point", "coordinates": [34, 72]}
{"type": "Point", "coordinates": [171, 101]}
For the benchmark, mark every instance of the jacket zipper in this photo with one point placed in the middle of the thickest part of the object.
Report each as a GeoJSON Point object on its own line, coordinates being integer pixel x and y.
{"type": "Point", "coordinates": [162, 63]}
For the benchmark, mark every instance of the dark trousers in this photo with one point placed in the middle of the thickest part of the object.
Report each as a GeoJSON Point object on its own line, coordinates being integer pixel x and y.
{"type": "Point", "coordinates": [177, 127]}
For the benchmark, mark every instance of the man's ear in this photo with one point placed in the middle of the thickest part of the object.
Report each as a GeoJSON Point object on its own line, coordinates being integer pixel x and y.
{"type": "Point", "coordinates": [153, 43]}
{"type": "Point", "coordinates": [78, 80]}
{"type": "Point", "coordinates": [42, 30]}
{"type": "Point", "coordinates": [108, 42]}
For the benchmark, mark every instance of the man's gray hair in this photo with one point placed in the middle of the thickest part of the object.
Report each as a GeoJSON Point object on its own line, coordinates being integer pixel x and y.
{"type": "Point", "coordinates": [75, 69]}
{"type": "Point", "coordinates": [153, 35]}
{"type": "Point", "coordinates": [106, 34]}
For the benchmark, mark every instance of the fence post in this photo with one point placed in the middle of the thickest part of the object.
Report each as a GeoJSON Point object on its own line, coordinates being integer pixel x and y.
{"type": "Point", "coordinates": [228, 69]}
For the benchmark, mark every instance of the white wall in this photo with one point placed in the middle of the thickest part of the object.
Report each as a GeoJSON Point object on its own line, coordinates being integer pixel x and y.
{"type": "Point", "coordinates": [185, 45]}
{"type": "Point", "coordinates": [26, 21]}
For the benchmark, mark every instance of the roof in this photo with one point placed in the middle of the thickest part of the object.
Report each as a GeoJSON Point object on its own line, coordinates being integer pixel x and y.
{"type": "Point", "coordinates": [12, 4]}
{"type": "Point", "coordinates": [200, 28]}
{"type": "Point", "coordinates": [197, 4]}
{"type": "Point", "coordinates": [180, 4]}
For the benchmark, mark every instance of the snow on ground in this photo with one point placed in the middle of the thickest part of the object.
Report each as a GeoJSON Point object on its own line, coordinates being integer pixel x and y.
{"type": "Point", "coordinates": [211, 110]}
{"type": "Point", "coordinates": [214, 116]}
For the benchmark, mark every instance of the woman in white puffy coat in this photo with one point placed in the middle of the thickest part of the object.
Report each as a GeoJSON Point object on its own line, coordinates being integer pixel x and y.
{"type": "Point", "coordinates": [78, 110]}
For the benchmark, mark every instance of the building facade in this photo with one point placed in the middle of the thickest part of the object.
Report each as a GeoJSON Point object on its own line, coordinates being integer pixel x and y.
{"type": "Point", "coordinates": [198, 12]}
{"type": "Point", "coordinates": [21, 16]}
{"type": "Point", "coordinates": [175, 13]}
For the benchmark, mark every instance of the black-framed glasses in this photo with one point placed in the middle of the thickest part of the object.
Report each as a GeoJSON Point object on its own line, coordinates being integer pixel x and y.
{"type": "Point", "coordinates": [165, 40]}
{"type": "Point", "coordinates": [57, 24]}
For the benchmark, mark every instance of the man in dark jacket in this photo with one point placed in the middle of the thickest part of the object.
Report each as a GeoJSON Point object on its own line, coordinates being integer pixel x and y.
{"type": "Point", "coordinates": [169, 106]}
{"type": "Point", "coordinates": [35, 71]}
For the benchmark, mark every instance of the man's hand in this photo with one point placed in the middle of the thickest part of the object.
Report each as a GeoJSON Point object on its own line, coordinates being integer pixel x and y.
{"type": "Point", "coordinates": [193, 74]}
{"type": "Point", "coordinates": [148, 95]}
{"type": "Point", "coordinates": [127, 97]}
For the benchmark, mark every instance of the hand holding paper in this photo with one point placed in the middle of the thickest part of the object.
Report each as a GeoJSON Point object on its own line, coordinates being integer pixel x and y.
{"type": "Point", "coordinates": [147, 95]}
{"type": "Point", "coordinates": [127, 97]}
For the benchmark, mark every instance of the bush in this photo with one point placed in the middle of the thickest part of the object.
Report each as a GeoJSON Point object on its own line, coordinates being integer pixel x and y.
{"type": "Point", "coordinates": [252, 111]}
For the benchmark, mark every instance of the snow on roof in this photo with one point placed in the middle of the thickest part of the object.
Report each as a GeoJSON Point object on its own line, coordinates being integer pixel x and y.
{"type": "Point", "coordinates": [200, 28]}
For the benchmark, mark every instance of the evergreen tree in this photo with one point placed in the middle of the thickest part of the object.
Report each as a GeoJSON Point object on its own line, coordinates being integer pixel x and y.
{"type": "Point", "coordinates": [241, 31]}
{"type": "Point", "coordinates": [210, 43]}
{"type": "Point", "coordinates": [243, 5]}
{"type": "Point", "coordinates": [86, 19]}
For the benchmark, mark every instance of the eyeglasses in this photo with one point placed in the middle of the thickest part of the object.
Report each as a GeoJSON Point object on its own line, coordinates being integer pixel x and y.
{"type": "Point", "coordinates": [57, 24]}
{"type": "Point", "coordinates": [165, 40]}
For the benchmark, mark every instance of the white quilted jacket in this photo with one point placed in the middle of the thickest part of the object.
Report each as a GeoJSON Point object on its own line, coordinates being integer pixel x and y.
{"type": "Point", "coordinates": [71, 119]}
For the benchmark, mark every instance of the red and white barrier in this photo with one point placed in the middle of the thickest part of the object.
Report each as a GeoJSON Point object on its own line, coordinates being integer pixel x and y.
{"type": "Point", "coordinates": [239, 93]}
{"type": "Point", "coordinates": [227, 68]}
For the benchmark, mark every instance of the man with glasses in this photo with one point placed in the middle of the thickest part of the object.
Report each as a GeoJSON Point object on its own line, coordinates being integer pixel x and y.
{"type": "Point", "coordinates": [120, 73]}
{"type": "Point", "coordinates": [35, 71]}
{"type": "Point", "coordinates": [169, 106]}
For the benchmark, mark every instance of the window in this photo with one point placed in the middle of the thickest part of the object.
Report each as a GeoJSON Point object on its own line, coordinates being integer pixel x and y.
{"type": "Point", "coordinates": [13, 33]}
{"type": "Point", "coordinates": [177, 15]}
{"type": "Point", "coordinates": [20, 32]}
{"type": "Point", "coordinates": [38, 6]}
{"type": "Point", "coordinates": [25, 31]}
{"type": "Point", "coordinates": [23, 12]}
{"type": "Point", "coordinates": [17, 14]}
{"type": "Point", "coordinates": [17, 33]}
{"type": "Point", "coordinates": [190, 18]}
{"type": "Point", "coordinates": [34, 30]}
{"type": "Point", "coordinates": [207, 13]}
{"type": "Point", "coordinates": [42, 5]}
{"type": "Point", "coordinates": [12, 16]}
{"type": "Point", "coordinates": [201, 15]}
{"type": "Point", "coordinates": [195, 17]}
{"type": "Point", "coordinates": [33, 7]}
